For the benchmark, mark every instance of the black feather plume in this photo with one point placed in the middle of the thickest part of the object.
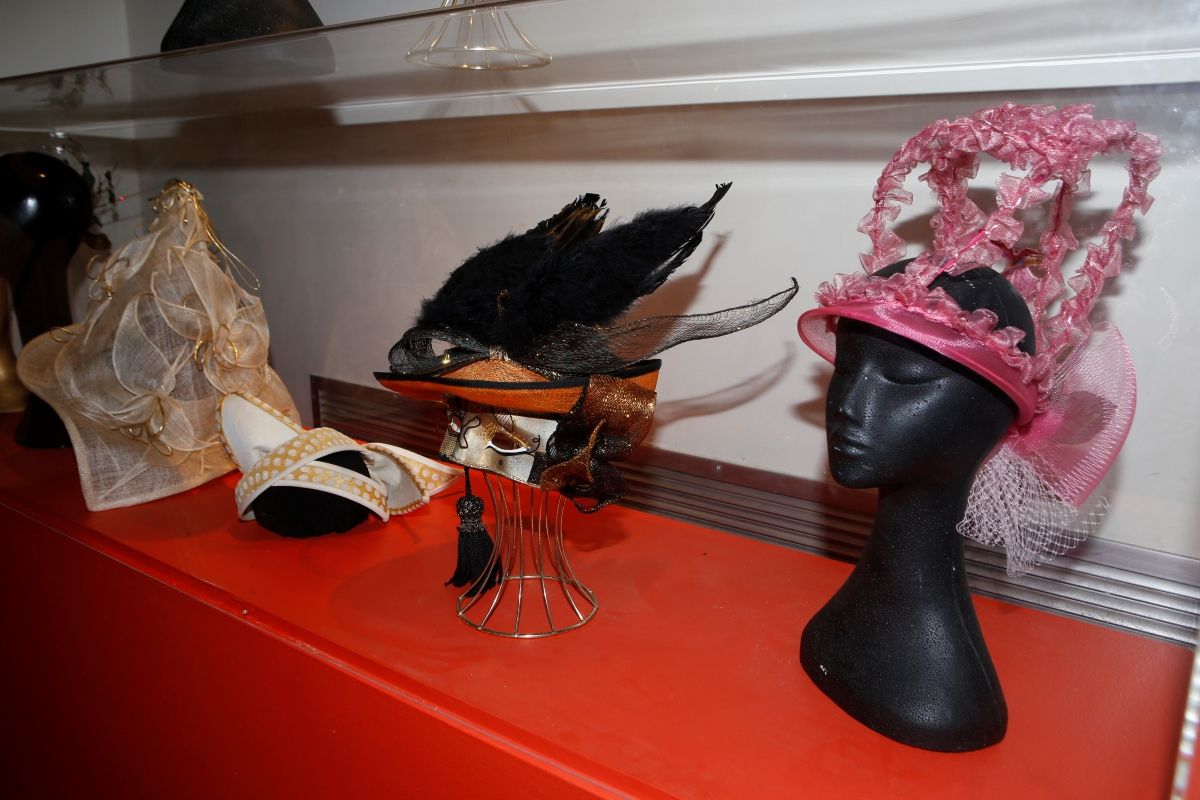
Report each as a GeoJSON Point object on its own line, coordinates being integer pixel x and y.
{"type": "Point", "coordinates": [565, 269]}
{"type": "Point", "coordinates": [471, 298]}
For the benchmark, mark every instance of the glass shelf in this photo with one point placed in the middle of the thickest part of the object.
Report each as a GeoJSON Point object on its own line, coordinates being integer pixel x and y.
{"type": "Point", "coordinates": [627, 53]}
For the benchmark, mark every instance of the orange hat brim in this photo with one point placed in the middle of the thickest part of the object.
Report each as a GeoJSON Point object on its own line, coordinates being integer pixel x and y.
{"type": "Point", "coordinates": [505, 384]}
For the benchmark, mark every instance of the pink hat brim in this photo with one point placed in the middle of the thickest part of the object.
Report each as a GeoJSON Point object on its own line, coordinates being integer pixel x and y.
{"type": "Point", "coordinates": [818, 329]}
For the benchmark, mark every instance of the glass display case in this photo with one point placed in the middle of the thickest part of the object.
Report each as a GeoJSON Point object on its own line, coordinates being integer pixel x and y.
{"type": "Point", "coordinates": [351, 175]}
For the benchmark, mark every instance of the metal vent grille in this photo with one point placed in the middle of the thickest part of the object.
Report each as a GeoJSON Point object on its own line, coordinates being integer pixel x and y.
{"type": "Point", "coordinates": [1144, 591]}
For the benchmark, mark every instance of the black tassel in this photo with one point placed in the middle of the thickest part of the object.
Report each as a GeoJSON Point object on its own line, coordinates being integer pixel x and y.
{"type": "Point", "coordinates": [474, 545]}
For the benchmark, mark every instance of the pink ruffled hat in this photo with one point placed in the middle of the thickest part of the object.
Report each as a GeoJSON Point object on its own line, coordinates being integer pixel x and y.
{"type": "Point", "coordinates": [1074, 391]}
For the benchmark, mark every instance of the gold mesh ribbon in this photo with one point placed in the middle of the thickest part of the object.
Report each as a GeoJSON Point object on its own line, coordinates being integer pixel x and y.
{"type": "Point", "coordinates": [612, 418]}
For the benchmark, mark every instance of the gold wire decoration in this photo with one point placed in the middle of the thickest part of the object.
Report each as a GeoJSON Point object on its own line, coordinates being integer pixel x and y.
{"type": "Point", "coordinates": [96, 271]}
{"type": "Point", "coordinates": [476, 37]}
{"type": "Point", "coordinates": [537, 593]}
{"type": "Point", "coordinates": [177, 190]}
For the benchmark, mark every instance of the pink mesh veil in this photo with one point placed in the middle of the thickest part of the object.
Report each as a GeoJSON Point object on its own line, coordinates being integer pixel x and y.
{"type": "Point", "coordinates": [1075, 396]}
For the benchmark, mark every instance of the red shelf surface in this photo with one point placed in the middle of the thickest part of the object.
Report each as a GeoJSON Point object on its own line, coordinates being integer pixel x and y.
{"type": "Point", "coordinates": [170, 650]}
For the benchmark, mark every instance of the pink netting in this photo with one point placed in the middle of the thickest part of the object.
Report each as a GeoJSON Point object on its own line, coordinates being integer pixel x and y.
{"type": "Point", "coordinates": [1011, 507]}
{"type": "Point", "coordinates": [1031, 494]}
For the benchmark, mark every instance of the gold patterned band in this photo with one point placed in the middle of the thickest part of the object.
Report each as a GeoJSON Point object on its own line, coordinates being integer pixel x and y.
{"type": "Point", "coordinates": [291, 461]}
{"type": "Point", "coordinates": [397, 481]}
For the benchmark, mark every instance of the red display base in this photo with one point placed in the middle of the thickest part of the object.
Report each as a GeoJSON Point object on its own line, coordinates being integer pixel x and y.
{"type": "Point", "coordinates": [170, 650]}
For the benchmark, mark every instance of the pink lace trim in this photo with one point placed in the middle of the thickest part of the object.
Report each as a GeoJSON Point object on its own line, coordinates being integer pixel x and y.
{"type": "Point", "coordinates": [1049, 144]}
{"type": "Point", "coordinates": [906, 290]}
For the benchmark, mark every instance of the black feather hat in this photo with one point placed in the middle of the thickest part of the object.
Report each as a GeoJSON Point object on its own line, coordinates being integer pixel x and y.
{"type": "Point", "coordinates": [528, 328]}
{"type": "Point", "coordinates": [566, 269]}
{"type": "Point", "coordinates": [543, 299]}
{"type": "Point", "coordinates": [540, 385]}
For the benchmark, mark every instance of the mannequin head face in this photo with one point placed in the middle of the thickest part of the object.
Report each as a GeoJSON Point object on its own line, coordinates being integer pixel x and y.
{"type": "Point", "coordinates": [898, 413]}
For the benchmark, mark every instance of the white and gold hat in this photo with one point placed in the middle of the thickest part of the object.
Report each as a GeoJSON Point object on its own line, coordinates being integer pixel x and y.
{"type": "Point", "coordinates": [271, 450]}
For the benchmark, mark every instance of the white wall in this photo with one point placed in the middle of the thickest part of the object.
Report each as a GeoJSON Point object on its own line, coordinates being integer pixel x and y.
{"type": "Point", "coordinates": [51, 34]}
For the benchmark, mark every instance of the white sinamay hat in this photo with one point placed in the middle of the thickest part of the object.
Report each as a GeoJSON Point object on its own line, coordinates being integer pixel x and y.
{"type": "Point", "coordinates": [137, 382]}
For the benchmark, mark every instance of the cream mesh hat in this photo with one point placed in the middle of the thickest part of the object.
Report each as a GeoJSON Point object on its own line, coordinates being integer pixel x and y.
{"type": "Point", "coordinates": [138, 381]}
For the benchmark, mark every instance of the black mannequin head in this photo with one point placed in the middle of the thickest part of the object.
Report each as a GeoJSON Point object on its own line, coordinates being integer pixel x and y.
{"type": "Point", "coordinates": [899, 647]}
{"type": "Point", "coordinates": [898, 413]}
{"type": "Point", "coordinates": [45, 210]}
{"type": "Point", "coordinates": [41, 200]}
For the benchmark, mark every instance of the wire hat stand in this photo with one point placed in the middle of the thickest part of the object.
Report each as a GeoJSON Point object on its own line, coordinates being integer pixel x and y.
{"type": "Point", "coordinates": [528, 589]}
{"type": "Point", "coordinates": [476, 38]}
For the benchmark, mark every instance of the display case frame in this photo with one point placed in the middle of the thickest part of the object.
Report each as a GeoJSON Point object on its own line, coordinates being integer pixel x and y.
{"type": "Point", "coordinates": [620, 74]}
